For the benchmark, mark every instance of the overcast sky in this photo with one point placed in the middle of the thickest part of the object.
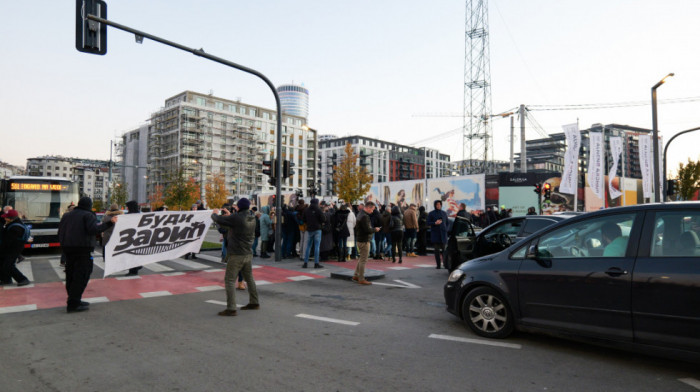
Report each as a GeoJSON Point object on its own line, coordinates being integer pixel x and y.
{"type": "Point", "coordinates": [374, 68]}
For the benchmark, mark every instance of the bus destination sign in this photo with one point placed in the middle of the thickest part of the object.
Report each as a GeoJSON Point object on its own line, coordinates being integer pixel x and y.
{"type": "Point", "coordinates": [24, 186]}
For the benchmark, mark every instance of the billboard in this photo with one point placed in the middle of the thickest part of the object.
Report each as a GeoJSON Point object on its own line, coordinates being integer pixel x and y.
{"type": "Point", "coordinates": [400, 193]}
{"type": "Point", "coordinates": [516, 192]}
{"type": "Point", "coordinates": [452, 191]}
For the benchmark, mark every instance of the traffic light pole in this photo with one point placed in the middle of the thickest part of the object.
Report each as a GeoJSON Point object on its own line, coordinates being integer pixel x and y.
{"type": "Point", "coordinates": [201, 53]}
{"type": "Point", "coordinates": [663, 194]}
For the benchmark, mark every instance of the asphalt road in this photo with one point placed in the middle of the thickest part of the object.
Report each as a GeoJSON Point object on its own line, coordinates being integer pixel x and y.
{"type": "Point", "coordinates": [394, 336]}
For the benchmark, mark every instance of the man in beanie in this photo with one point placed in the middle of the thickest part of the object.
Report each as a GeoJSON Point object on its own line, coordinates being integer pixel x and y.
{"type": "Point", "coordinates": [314, 219]}
{"type": "Point", "coordinates": [76, 233]}
{"type": "Point", "coordinates": [239, 253]}
{"type": "Point", "coordinates": [132, 207]}
{"type": "Point", "coordinates": [11, 247]}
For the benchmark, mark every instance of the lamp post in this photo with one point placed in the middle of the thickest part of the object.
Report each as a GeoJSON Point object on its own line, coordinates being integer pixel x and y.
{"type": "Point", "coordinates": [666, 148]}
{"type": "Point", "coordinates": [655, 137]}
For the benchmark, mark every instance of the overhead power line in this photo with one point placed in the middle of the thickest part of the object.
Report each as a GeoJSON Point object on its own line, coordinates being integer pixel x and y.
{"type": "Point", "coordinates": [589, 106]}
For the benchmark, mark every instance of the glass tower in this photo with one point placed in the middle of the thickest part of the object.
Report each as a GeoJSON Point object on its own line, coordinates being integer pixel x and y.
{"type": "Point", "coordinates": [294, 100]}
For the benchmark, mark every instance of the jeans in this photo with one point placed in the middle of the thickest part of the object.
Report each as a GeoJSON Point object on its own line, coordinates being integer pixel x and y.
{"type": "Point", "coordinates": [387, 247]}
{"type": "Point", "coordinates": [439, 248]}
{"type": "Point", "coordinates": [287, 243]}
{"type": "Point", "coordinates": [379, 241]}
{"type": "Point", "coordinates": [314, 237]}
{"type": "Point", "coordinates": [410, 239]}
{"type": "Point", "coordinates": [303, 235]}
{"type": "Point", "coordinates": [396, 240]}
{"type": "Point", "coordinates": [342, 245]}
{"type": "Point", "coordinates": [255, 245]}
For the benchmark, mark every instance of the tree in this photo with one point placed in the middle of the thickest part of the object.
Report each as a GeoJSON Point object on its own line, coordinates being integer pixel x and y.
{"type": "Point", "coordinates": [120, 191]}
{"type": "Point", "coordinates": [352, 181]}
{"type": "Point", "coordinates": [98, 205]}
{"type": "Point", "coordinates": [157, 198]}
{"type": "Point", "coordinates": [182, 192]}
{"type": "Point", "coordinates": [688, 179]}
{"type": "Point", "coordinates": [215, 191]}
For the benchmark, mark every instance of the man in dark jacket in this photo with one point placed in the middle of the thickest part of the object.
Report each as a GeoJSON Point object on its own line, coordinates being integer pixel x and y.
{"type": "Point", "coordinates": [437, 221]}
{"type": "Point", "coordinates": [363, 235]}
{"type": "Point", "coordinates": [11, 247]}
{"type": "Point", "coordinates": [422, 232]}
{"type": "Point", "coordinates": [239, 254]}
{"type": "Point", "coordinates": [132, 207]}
{"type": "Point", "coordinates": [314, 219]}
{"type": "Point", "coordinates": [76, 234]}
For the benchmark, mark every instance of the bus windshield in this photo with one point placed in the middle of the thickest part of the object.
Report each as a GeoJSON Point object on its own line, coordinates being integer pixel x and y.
{"type": "Point", "coordinates": [39, 207]}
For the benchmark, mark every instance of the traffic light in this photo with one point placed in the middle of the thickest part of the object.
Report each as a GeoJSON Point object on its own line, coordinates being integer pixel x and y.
{"type": "Point", "coordinates": [90, 36]}
{"type": "Point", "coordinates": [287, 169]}
{"type": "Point", "coordinates": [547, 190]}
{"type": "Point", "coordinates": [671, 187]}
{"type": "Point", "coordinates": [538, 189]}
{"type": "Point", "coordinates": [270, 169]}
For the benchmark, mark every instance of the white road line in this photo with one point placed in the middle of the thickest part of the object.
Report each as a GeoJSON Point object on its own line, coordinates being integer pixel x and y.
{"type": "Point", "coordinates": [300, 277]}
{"type": "Point", "coordinates": [26, 269]}
{"type": "Point", "coordinates": [155, 267]}
{"type": "Point", "coordinates": [127, 277]}
{"type": "Point", "coordinates": [256, 266]}
{"type": "Point", "coordinates": [56, 265]}
{"type": "Point", "coordinates": [409, 285]}
{"type": "Point", "coordinates": [211, 301]}
{"type": "Point", "coordinates": [209, 258]}
{"type": "Point", "coordinates": [690, 381]}
{"type": "Point", "coordinates": [14, 309]}
{"type": "Point", "coordinates": [99, 263]}
{"type": "Point", "coordinates": [95, 300]}
{"type": "Point", "coordinates": [330, 320]}
{"type": "Point", "coordinates": [190, 264]}
{"type": "Point", "coordinates": [403, 285]}
{"type": "Point", "coordinates": [398, 268]}
{"type": "Point", "coordinates": [262, 282]}
{"type": "Point", "coordinates": [425, 265]}
{"type": "Point", "coordinates": [152, 294]}
{"type": "Point", "coordinates": [173, 273]}
{"type": "Point", "coordinates": [475, 341]}
{"type": "Point", "coordinates": [209, 288]}
{"type": "Point", "coordinates": [214, 270]}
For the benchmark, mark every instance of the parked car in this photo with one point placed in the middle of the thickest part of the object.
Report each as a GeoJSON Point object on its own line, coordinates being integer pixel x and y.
{"type": "Point", "coordinates": [628, 275]}
{"type": "Point", "coordinates": [467, 242]}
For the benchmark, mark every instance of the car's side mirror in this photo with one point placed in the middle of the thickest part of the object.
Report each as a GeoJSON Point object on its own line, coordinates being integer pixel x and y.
{"type": "Point", "coordinates": [533, 254]}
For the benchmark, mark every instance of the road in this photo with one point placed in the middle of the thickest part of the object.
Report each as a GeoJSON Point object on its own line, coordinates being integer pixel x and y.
{"type": "Point", "coordinates": [160, 332]}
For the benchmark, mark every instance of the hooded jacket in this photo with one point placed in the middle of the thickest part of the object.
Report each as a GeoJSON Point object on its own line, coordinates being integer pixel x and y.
{"type": "Point", "coordinates": [265, 223]}
{"type": "Point", "coordinates": [78, 228]}
{"type": "Point", "coordinates": [313, 216]}
{"type": "Point", "coordinates": [438, 233]}
{"type": "Point", "coordinates": [410, 219]}
{"type": "Point", "coordinates": [396, 219]}
{"type": "Point", "coordinates": [241, 231]}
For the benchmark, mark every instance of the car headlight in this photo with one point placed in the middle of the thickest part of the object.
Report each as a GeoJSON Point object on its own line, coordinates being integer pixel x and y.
{"type": "Point", "coordinates": [455, 275]}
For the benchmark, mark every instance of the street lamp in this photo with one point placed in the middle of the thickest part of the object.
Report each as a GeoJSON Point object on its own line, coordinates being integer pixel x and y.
{"type": "Point", "coordinates": [655, 136]}
{"type": "Point", "coordinates": [666, 148]}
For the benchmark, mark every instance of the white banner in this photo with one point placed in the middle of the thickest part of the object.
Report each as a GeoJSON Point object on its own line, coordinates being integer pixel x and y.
{"type": "Point", "coordinates": [616, 151]}
{"type": "Point", "coordinates": [645, 164]}
{"type": "Point", "coordinates": [596, 164]}
{"type": "Point", "coordinates": [569, 179]}
{"type": "Point", "coordinates": [140, 239]}
{"type": "Point", "coordinates": [661, 167]}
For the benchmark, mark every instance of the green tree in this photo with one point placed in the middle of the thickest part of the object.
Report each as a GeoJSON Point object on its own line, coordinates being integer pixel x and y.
{"type": "Point", "coordinates": [352, 181]}
{"type": "Point", "coordinates": [120, 191]}
{"type": "Point", "coordinates": [98, 205]}
{"type": "Point", "coordinates": [215, 191]}
{"type": "Point", "coordinates": [181, 192]}
{"type": "Point", "coordinates": [688, 179]}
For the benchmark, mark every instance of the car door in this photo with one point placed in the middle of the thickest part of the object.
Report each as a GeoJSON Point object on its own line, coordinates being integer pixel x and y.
{"type": "Point", "coordinates": [665, 285]}
{"type": "Point", "coordinates": [561, 286]}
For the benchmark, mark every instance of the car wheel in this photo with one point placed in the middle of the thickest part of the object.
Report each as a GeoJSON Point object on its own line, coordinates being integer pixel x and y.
{"type": "Point", "coordinates": [487, 314]}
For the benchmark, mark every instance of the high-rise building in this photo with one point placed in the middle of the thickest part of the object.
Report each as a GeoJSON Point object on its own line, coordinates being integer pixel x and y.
{"type": "Point", "coordinates": [91, 175]}
{"type": "Point", "coordinates": [206, 135]}
{"type": "Point", "coordinates": [294, 100]}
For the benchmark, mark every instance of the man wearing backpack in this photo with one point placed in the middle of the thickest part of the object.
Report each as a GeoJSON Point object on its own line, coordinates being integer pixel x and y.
{"type": "Point", "coordinates": [14, 235]}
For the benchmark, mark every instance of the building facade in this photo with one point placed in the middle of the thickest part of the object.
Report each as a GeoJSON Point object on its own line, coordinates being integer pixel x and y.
{"type": "Point", "coordinates": [91, 175]}
{"type": "Point", "coordinates": [294, 100]}
{"type": "Point", "coordinates": [133, 150]}
{"type": "Point", "coordinates": [206, 135]}
{"type": "Point", "coordinates": [7, 170]}
{"type": "Point", "coordinates": [385, 161]}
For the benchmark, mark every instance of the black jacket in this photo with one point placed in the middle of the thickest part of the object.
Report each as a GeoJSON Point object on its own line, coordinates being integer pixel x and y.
{"type": "Point", "coordinates": [313, 217]}
{"type": "Point", "coordinates": [12, 243]}
{"type": "Point", "coordinates": [363, 228]}
{"type": "Point", "coordinates": [340, 223]}
{"type": "Point", "coordinates": [396, 222]}
{"type": "Point", "coordinates": [79, 227]}
{"type": "Point", "coordinates": [241, 231]}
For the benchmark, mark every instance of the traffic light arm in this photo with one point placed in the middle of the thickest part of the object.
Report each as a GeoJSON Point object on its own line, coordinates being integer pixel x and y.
{"type": "Point", "coordinates": [201, 53]}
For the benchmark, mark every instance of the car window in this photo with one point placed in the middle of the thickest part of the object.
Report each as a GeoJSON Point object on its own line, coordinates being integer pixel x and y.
{"type": "Point", "coordinates": [533, 225]}
{"type": "Point", "coordinates": [510, 228]}
{"type": "Point", "coordinates": [676, 234]}
{"type": "Point", "coordinates": [606, 236]}
{"type": "Point", "coordinates": [520, 253]}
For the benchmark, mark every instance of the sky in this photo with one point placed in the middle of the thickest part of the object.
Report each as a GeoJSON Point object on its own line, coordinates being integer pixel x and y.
{"type": "Point", "coordinates": [387, 69]}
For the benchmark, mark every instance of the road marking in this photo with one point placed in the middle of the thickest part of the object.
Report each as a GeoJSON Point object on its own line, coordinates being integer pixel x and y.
{"type": "Point", "coordinates": [330, 320]}
{"type": "Point", "coordinates": [209, 258]}
{"type": "Point", "coordinates": [155, 267]}
{"type": "Point", "coordinates": [127, 277]}
{"type": "Point", "coordinates": [152, 294]}
{"type": "Point", "coordinates": [99, 263]}
{"type": "Point", "coordinates": [173, 273]}
{"type": "Point", "coordinates": [56, 265]}
{"type": "Point", "coordinates": [26, 269]}
{"type": "Point", "coordinates": [476, 341]}
{"type": "Point", "coordinates": [690, 381]}
{"type": "Point", "coordinates": [209, 288]}
{"type": "Point", "coordinates": [425, 265]}
{"type": "Point", "coordinates": [95, 300]}
{"type": "Point", "coordinates": [301, 277]}
{"type": "Point", "coordinates": [262, 282]}
{"type": "Point", "coordinates": [403, 285]}
{"type": "Point", "coordinates": [190, 264]}
{"type": "Point", "coordinates": [14, 309]}
{"type": "Point", "coordinates": [398, 268]}
{"type": "Point", "coordinates": [211, 301]}
{"type": "Point", "coordinates": [214, 270]}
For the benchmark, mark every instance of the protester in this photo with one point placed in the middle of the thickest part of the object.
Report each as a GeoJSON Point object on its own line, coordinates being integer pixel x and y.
{"type": "Point", "coordinates": [531, 211]}
{"type": "Point", "coordinates": [239, 254]}
{"type": "Point", "coordinates": [76, 234]}
{"type": "Point", "coordinates": [265, 229]}
{"type": "Point", "coordinates": [396, 226]}
{"type": "Point", "coordinates": [340, 226]}
{"type": "Point", "coordinates": [422, 242]}
{"type": "Point", "coordinates": [437, 221]}
{"type": "Point", "coordinates": [386, 229]}
{"type": "Point", "coordinates": [351, 237]}
{"type": "Point", "coordinates": [132, 207]}
{"type": "Point", "coordinates": [314, 219]}
{"type": "Point", "coordinates": [301, 207]}
{"type": "Point", "coordinates": [327, 232]}
{"type": "Point", "coordinates": [363, 235]}
{"type": "Point", "coordinates": [257, 230]}
{"type": "Point", "coordinates": [410, 220]}
{"type": "Point", "coordinates": [113, 210]}
{"type": "Point", "coordinates": [13, 238]}
{"type": "Point", "coordinates": [289, 227]}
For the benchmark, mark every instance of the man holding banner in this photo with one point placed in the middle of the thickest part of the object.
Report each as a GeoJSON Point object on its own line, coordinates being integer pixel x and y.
{"type": "Point", "coordinates": [239, 254]}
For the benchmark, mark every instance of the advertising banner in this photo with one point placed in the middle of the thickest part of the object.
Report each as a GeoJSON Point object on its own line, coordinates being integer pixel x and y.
{"type": "Point", "coordinates": [452, 191]}
{"type": "Point", "coordinates": [645, 164]}
{"type": "Point", "coordinates": [573, 144]}
{"type": "Point", "coordinates": [616, 151]}
{"type": "Point", "coordinates": [596, 163]}
{"type": "Point", "coordinates": [516, 192]}
{"type": "Point", "coordinates": [268, 199]}
{"type": "Point", "coordinates": [140, 239]}
{"type": "Point", "coordinates": [400, 193]}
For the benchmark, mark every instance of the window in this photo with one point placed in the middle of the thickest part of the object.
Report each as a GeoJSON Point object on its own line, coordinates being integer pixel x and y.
{"type": "Point", "coordinates": [676, 234]}
{"type": "Point", "coordinates": [533, 225]}
{"type": "Point", "coordinates": [599, 237]}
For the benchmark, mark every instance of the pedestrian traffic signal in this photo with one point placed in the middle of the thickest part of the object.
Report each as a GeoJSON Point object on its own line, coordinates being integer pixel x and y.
{"type": "Point", "coordinates": [671, 187]}
{"type": "Point", "coordinates": [90, 36]}
{"type": "Point", "coordinates": [270, 170]}
{"type": "Point", "coordinates": [547, 187]}
{"type": "Point", "coordinates": [287, 169]}
{"type": "Point", "coordinates": [538, 188]}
